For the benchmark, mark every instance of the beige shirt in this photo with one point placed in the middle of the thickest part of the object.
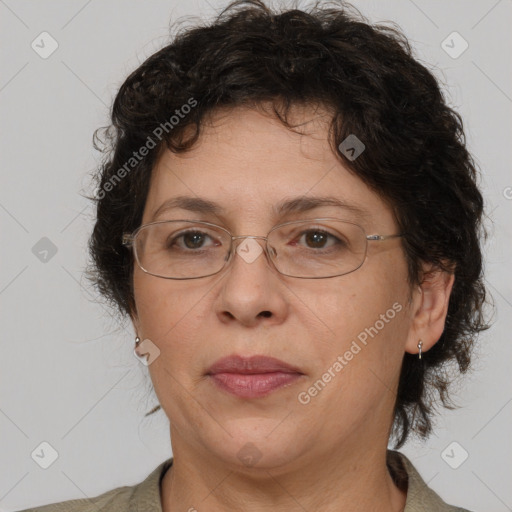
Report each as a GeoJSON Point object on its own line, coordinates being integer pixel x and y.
{"type": "Point", "coordinates": [145, 496]}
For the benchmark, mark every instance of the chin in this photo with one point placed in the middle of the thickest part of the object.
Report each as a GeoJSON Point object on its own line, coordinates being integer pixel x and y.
{"type": "Point", "coordinates": [257, 444]}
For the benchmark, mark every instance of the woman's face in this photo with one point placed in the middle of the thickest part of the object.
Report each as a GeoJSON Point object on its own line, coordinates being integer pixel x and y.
{"type": "Point", "coordinates": [247, 163]}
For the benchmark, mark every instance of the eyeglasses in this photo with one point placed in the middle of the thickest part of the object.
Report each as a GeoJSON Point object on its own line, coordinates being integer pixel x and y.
{"type": "Point", "coordinates": [307, 249]}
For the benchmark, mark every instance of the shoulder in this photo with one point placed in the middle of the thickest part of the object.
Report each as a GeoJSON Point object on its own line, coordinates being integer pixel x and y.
{"type": "Point", "coordinates": [142, 496]}
{"type": "Point", "coordinates": [420, 497]}
{"type": "Point", "coordinates": [114, 501]}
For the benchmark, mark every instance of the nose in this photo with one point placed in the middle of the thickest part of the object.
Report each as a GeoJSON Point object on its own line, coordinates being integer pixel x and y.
{"type": "Point", "coordinates": [250, 293]}
{"type": "Point", "coordinates": [250, 248]}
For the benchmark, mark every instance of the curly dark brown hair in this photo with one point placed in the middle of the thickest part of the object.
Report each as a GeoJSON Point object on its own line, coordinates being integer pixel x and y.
{"type": "Point", "coordinates": [366, 75]}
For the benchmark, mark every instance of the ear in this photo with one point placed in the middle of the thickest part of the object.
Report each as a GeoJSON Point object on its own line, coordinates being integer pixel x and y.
{"type": "Point", "coordinates": [429, 308]}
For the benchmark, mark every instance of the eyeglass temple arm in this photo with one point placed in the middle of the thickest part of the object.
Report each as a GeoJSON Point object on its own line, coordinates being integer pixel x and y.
{"type": "Point", "coordinates": [383, 237]}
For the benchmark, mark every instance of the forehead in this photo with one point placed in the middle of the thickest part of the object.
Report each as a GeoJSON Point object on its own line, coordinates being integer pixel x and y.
{"type": "Point", "coordinates": [246, 163]}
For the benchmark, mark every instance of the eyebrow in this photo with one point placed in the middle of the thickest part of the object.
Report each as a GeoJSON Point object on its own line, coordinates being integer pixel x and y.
{"type": "Point", "coordinates": [296, 205]}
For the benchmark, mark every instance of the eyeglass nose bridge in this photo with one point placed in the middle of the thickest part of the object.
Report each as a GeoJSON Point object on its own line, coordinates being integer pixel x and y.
{"type": "Point", "coordinates": [267, 250]}
{"type": "Point", "coordinates": [248, 236]}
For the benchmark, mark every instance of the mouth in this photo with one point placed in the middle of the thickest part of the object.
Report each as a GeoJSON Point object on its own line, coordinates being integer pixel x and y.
{"type": "Point", "coordinates": [252, 377]}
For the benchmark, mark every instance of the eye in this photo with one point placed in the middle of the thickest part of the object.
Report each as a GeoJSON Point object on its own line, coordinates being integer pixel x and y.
{"type": "Point", "coordinates": [192, 239]}
{"type": "Point", "coordinates": [319, 239]}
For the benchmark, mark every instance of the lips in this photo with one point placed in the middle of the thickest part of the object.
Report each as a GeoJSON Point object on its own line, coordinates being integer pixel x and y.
{"type": "Point", "coordinates": [252, 377]}
{"type": "Point", "coordinates": [251, 365]}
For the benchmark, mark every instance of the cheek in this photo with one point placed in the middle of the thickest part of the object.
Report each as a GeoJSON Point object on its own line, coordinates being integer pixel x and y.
{"type": "Point", "coordinates": [160, 303]}
{"type": "Point", "coordinates": [351, 304]}
{"type": "Point", "coordinates": [168, 318]}
{"type": "Point", "coordinates": [168, 314]}
{"type": "Point", "coordinates": [360, 366]}
{"type": "Point", "coordinates": [367, 308]}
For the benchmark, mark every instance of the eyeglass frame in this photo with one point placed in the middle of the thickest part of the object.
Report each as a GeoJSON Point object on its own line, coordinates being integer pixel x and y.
{"type": "Point", "coordinates": [128, 240]}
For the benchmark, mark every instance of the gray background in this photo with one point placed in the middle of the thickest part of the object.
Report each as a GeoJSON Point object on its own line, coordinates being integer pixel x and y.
{"type": "Point", "coordinates": [68, 375]}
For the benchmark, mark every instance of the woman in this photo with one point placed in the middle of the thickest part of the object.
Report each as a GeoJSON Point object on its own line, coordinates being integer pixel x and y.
{"type": "Point", "coordinates": [290, 217]}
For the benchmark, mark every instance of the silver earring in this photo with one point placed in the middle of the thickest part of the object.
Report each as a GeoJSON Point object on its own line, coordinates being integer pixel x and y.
{"type": "Point", "coordinates": [420, 343]}
{"type": "Point", "coordinates": [137, 341]}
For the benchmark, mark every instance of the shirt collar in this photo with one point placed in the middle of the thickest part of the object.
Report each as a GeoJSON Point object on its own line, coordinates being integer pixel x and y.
{"type": "Point", "coordinates": [146, 495]}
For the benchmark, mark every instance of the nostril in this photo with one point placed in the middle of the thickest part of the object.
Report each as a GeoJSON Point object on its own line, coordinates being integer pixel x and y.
{"type": "Point", "coordinates": [266, 314]}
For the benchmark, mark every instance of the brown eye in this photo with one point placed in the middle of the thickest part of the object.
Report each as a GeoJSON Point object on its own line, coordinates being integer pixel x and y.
{"type": "Point", "coordinates": [318, 239]}
{"type": "Point", "coordinates": [192, 239]}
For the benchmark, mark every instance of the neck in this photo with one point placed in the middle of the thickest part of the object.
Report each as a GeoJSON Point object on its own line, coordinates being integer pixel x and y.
{"type": "Point", "coordinates": [336, 481]}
